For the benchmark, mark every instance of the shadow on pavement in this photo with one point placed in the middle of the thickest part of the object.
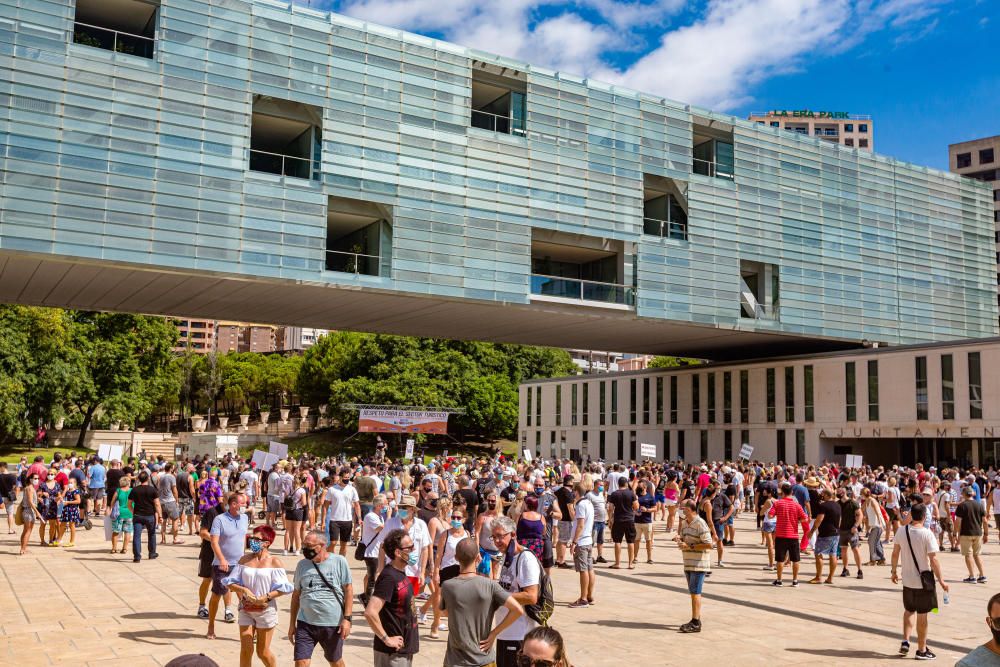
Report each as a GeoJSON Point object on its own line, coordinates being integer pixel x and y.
{"type": "Point", "coordinates": [168, 636]}
{"type": "Point", "coordinates": [843, 653]}
{"type": "Point", "coordinates": [631, 625]}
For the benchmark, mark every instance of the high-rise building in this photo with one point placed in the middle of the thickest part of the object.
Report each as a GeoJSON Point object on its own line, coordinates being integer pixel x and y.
{"type": "Point", "coordinates": [228, 336]}
{"type": "Point", "coordinates": [297, 338]}
{"type": "Point", "coordinates": [195, 335]}
{"type": "Point", "coordinates": [245, 337]}
{"type": "Point", "coordinates": [980, 159]}
{"type": "Point", "coordinates": [839, 127]}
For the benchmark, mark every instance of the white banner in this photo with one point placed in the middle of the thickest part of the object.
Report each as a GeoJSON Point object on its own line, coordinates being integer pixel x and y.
{"type": "Point", "coordinates": [646, 449]}
{"type": "Point", "coordinates": [409, 448]}
{"type": "Point", "coordinates": [279, 449]}
{"type": "Point", "coordinates": [853, 461]}
{"type": "Point", "coordinates": [527, 455]}
{"type": "Point", "coordinates": [746, 451]}
{"type": "Point", "coordinates": [110, 452]}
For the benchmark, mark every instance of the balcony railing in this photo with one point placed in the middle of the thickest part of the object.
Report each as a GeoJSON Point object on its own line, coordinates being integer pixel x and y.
{"type": "Point", "coordinates": [283, 165]}
{"type": "Point", "coordinates": [706, 168]}
{"type": "Point", "coordinates": [582, 290]}
{"type": "Point", "coordinates": [352, 262]}
{"type": "Point", "coordinates": [485, 120]}
{"type": "Point", "coordinates": [113, 40]}
{"type": "Point", "coordinates": [665, 228]}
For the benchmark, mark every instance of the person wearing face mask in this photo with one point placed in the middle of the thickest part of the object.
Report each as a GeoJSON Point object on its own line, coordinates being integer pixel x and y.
{"type": "Point", "coordinates": [391, 611]}
{"type": "Point", "coordinates": [406, 519]}
{"type": "Point", "coordinates": [228, 537]}
{"type": "Point", "coordinates": [49, 494]}
{"type": "Point", "coordinates": [373, 524]}
{"type": "Point", "coordinates": [29, 511]}
{"type": "Point", "coordinates": [988, 654]}
{"type": "Point", "coordinates": [599, 499]}
{"type": "Point", "coordinates": [446, 566]}
{"type": "Point", "coordinates": [322, 602]}
{"type": "Point", "coordinates": [491, 557]}
{"type": "Point", "coordinates": [70, 514]}
{"type": "Point", "coordinates": [258, 579]}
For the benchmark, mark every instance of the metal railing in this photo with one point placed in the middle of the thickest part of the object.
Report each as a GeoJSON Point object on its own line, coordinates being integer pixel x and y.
{"type": "Point", "coordinates": [582, 290]}
{"type": "Point", "coordinates": [113, 40]}
{"type": "Point", "coordinates": [668, 229]}
{"type": "Point", "coordinates": [353, 262]}
{"type": "Point", "coordinates": [492, 122]}
{"type": "Point", "coordinates": [283, 165]}
{"type": "Point", "coordinates": [707, 168]}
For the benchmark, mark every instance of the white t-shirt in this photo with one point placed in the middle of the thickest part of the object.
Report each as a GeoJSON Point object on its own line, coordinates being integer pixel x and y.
{"type": "Point", "coordinates": [341, 501]}
{"type": "Point", "coordinates": [378, 482]}
{"type": "Point", "coordinates": [522, 573]}
{"type": "Point", "coordinates": [924, 543]}
{"type": "Point", "coordinates": [418, 533]}
{"type": "Point", "coordinates": [250, 477]}
{"type": "Point", "coordinates": [996, 501]}
{"type": "Point", "coordinates": [369, 531]}
{"type": "Point", "coordinates": [585, 511]}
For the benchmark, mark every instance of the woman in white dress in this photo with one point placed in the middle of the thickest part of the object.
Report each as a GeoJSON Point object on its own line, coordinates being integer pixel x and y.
{"type": "Point", "coordinates": [258, 580]}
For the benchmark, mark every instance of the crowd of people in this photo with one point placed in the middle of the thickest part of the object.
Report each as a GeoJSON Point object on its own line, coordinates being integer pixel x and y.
{"type": "Point", "coordinates": [466, 546]}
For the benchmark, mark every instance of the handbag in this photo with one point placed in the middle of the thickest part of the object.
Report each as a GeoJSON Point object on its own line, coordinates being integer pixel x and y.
{"type": "Point", "coordinates": [926, 576]}
{"type": "Point", "coordinates": [18, 516]}
{"type": "Point", "coordinates": [359, 551]}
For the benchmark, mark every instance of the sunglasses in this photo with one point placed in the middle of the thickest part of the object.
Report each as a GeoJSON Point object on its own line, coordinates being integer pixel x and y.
{"type": "Point", "coordinates": [525, 661]}
{"type": "Point", "coordinates": [409, 548]}
{"type": "Point", "coordinates": [458, 517]}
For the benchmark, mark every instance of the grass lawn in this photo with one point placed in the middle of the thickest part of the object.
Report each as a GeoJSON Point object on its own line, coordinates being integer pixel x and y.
{"type": "Point", "coordinates": [332, 443]}
{"type": "Point", "coordinates": [13, 453]}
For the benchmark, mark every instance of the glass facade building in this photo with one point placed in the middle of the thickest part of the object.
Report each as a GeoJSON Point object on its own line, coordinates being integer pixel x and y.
{"type": "Point", "coordinates": [251, 139]}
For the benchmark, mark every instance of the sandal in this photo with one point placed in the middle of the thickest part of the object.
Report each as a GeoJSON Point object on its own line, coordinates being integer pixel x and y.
{"type": "Point", "coordinates": [434, 635]}
{"type": "Point", "coordinates": [614, 567]}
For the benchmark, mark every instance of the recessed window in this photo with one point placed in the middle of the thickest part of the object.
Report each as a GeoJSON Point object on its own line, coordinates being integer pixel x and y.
{"type": "Point", "coordinates": [986, 156]}
{"type": "Point", "coordinates": [849, 142]}
{"type": "Point", "coordinates": [862, 127]}
{"type": "Point", "coordinates": [848, 127]}
{"type": "Point", "coordinates": [963, 160]}
{"type": "Point", "coordinates": [759, 290]}
{"type": "Point", "coordinates": [285, 138]}
{"type": "Point", "coordinates": [358, 237]}
{"type": "Point", "coordinates": [499, 99]}
{"type": "Point", "coordinates": [775, 123]}
{"type": "Point", "coordinates": [663, 213]}
{"type": "Point", "coordinates": [713, 152]}
{"type": "Point", "coordinates": [862, 143]}
{"type": "Point", "coordinates": [122, 26]}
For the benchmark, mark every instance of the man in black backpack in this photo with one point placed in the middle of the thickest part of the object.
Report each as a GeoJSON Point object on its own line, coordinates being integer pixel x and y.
{"type": "Point", "coordinates": [521, 576]}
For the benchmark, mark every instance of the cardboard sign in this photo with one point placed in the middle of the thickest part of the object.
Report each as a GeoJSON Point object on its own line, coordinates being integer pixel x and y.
{"type": "Point", "coordinates": [409, 448]}
{"type": "Point", "coordinates": [279, 449]}
{"type": "Point", "coordinates": [853, 461]}
{"type": "Point", "coordinates": [264, 460]}
{"type": "Point", "coordinates": [746, 451]}
{"type": "Point", "coordinates": [110, 452]}
{"type": "Point", "coordinates": [646, 449]}
{"type": "Point", "coordinates": [527, 455]}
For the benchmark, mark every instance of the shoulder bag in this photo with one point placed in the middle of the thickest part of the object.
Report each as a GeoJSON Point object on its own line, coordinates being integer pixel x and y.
{"type": "Point", "coordinates": [926, 576]}
{"type": "Point", "coordinates": [337, 592]}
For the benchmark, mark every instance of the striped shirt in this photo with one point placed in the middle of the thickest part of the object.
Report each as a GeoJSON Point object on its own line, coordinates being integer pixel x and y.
{"type": "Point", "coordinates": [693, 534]}
{"type": "Point", "coordinates": [789, 514]}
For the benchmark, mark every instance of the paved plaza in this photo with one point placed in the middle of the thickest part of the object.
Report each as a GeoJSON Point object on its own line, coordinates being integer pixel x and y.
{"type": "Point", "coordinates": [83, 606]}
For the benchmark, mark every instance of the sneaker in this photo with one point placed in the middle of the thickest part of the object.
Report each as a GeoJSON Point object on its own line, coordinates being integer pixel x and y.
{"type": "Point", "coordinates": [578, 604]}
{"type": "Point", "coordinates": [766, 568]}
{"type": "Point", "coordinates": [690, 627]}
{"type": "Point", "coordinates": [969, 580]}
{"type": "Point", "coordinates": [721, 564]}
{"type": "Point", "coordinates": [600, 559]}
{"type": "Point", "coordinates": [229, 617]}
{"type": "Point", "coordinates": [795, 583]}
{"type": "Point", "coordinates": [845, 573]}
{"type": "Point", "coordinates": [776, 582]}
{"type": "Point", "coordinates": [904, 647]}
{"type": "Point", "coordinates": [442, 626]}
{"type": "Point", "coordinates": [926, 654]}
{"type": "Point", "coordinates": [981, 580]}
{"type": "Point", "coordinates": [286, 553]}
{"type": "Point", "coordinates": [860, 575]}
{"type": "Point", "coordinates": [202, 611]}
{"type": "Point", "coordinates": [423, 618]}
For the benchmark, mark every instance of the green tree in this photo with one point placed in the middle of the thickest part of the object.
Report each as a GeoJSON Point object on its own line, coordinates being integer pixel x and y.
{"type": "Point", "coordinates": [673, 362]}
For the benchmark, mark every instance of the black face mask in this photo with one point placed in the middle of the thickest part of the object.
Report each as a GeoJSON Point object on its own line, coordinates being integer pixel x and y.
{"type": "Point", "coordinates": [309, 553]}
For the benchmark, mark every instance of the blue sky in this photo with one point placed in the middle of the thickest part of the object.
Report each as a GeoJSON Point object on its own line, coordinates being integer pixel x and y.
{"type": "Point", "coordinates": [926, 70]}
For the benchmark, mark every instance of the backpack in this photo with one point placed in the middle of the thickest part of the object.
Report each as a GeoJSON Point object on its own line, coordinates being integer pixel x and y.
{"type": "Point", "coordinates": [542, 610]}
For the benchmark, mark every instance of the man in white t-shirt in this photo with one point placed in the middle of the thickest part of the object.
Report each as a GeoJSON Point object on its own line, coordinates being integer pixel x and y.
{"type": "Point", "coordinates": [342, 505]}
{"type": "Point", "coordinates": [520, 576]}
{"type": "Point", "coordinates": [916, 549]}
{"type": "Point", "coordinates": [582, 545]}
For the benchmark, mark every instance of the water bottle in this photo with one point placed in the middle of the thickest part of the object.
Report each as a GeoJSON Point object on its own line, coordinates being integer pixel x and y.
{"type": "Point", "coordinates": [947, 597]}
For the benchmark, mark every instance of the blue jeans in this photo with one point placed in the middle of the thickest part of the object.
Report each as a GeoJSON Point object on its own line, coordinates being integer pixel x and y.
{"type": "Point", "coordinates": [695, 581]}
{"type": "Point", "coordinates": [138, 523]}
{"type": "Point", "coordinates": [599, 527]}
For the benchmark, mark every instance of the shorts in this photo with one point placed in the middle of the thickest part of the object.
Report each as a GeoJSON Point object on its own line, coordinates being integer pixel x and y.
{"type": "Point", "coordinates": [599, 527]}
{"type": "Point", "coordinates": [97, 494]}
{"type": "Point", "coordinates": [448, 573]}
{"type": "Point", "coordinates": [769, 525]}
{"type": "Point", "coordinates": [218, 588]}
{"type": "Point", "coordinates": [660, 499]}
{"type": "Point", "coordinates": [295, 515]}
{"type": "Point", "coordinates": [186, 506]}
{"type": "Point", "coordinates": [971, 544]}
{"type": "Point", "coordinates": [273, 504]}
{"type": "Point", "coordinates": [121, 525]}
{"type": "Point", "coordinates": [786, 547]}
{"type": "Point", "coordinates": [307, 636]}
{"type": "Point", "coordinates": [848, 539]}
{"type": "Point", "coordinates": [583, 560]}
{"type": "Point", "coordinates": [205, 565]}
{"type": "Point", "coordinates": [171, 511]}
{"type": "Point", "coordinates": [720, 529]}
{"type": "Point", "coordinates": [695, 581]}
{"type": "Point", "coordinates": [393, 659]}
{"type": "Point", "coordinates": [827, 546]}
{"type": "Point", "coordinates": [669, 502]}
{"type": "Point", "coordinates": [644, 530]}
{"type": "Point", "coordinates": [622, 530]}
{"type": "Point", "coordinates": [565, 531]}
{"type": "Point", "coordinates": [945, 523]}
{"type": "Point", "coordinates": [340, 531]}
{"type": "Point", "coordinates": [266, 619]}
{"type": "Point", "coordinates": [893, 513]}
{"type": "Point", "coordinates": [917, 600]}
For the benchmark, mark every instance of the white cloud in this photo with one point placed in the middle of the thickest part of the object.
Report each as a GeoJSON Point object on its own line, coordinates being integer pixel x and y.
{"type": "Point", "coordinates": [716, 59]}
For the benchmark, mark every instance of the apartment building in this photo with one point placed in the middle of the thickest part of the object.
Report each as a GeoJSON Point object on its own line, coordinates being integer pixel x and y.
{"type": "Point", "coordinates": [838, 127]}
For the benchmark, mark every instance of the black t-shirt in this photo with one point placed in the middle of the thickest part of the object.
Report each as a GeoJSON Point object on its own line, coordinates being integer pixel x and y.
{"type": "Point", "coordinates": [183, 485]}
{"type": "Point", "coordinates": [8, 482]}
{"type": "Point", "coordinates": [814, 501]}
{"type": "Point", "coordinates": [971, 514]}
{"type": "Point", "coordinates": [565, 498]}
{"type": "Point", "coordinates": [398, 615]}
{"type": "Point", "coordinates": [143, 497]}
{"type": "Point", "coordinates": [621, 500]}
{"type": "Point", "coordinates": [206, 523]}
{"type": "Point", "coordinates": [649, 502]}
{"type": "Point", "coordinates": [848, 515]}
{"type": "Point", "coordinates": [831, 512]}
{"type": "Point", "coordinates": [114, 476]}
{"type": "Point", "coordinates": [720, 505]}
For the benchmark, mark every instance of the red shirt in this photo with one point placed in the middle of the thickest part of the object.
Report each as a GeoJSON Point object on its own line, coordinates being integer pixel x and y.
{"type": "Point", "coordinates": [39, 469]}
{"type": "Point", "coordinates": [790, 514]}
